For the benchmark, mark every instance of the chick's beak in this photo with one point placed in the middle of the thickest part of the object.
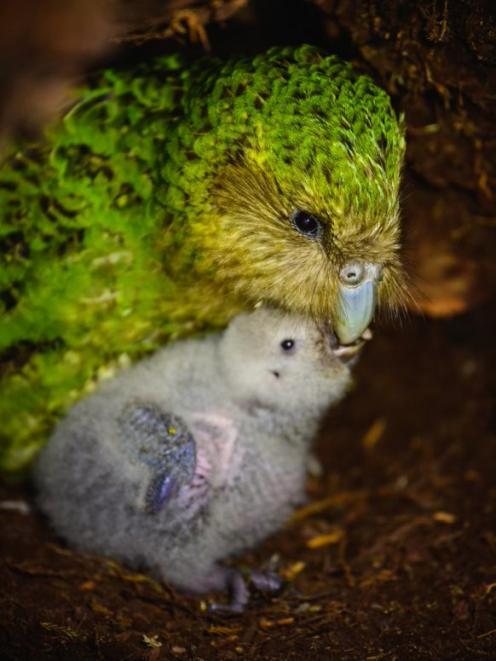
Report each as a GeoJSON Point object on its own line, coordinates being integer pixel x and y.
{"type": "Point", "coordinates": [356, 302]}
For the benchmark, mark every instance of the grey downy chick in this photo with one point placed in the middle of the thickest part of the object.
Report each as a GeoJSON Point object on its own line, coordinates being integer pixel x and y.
{"type": "Point", "coordinates": [196, 453]}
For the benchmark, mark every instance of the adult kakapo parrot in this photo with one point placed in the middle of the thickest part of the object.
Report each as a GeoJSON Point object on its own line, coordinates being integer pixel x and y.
{"type": "Point", "coordinates": [170, 198]}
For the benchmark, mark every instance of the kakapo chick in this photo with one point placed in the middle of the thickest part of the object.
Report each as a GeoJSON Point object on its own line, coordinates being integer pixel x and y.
{"type": "Point", "coordinates": [196, 453]}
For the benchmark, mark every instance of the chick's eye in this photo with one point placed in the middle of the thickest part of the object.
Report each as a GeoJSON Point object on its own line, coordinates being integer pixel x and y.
{"type": "Point", "coordinates": [287, 345]}
{"type": "Point", "coordinates": [306, 224]}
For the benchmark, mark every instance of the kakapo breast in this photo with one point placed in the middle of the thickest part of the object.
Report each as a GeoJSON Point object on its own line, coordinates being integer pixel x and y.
{"type": "Point", "coordinates": [260, 496]}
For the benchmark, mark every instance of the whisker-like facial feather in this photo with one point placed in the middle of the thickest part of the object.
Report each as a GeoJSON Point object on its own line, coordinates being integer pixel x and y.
{"type": "Point", "coordinates": [262, 256]}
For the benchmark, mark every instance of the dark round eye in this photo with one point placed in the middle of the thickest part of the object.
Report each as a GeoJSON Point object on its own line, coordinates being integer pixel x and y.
{"type": "Point", "coordinates": [306, 224]}
{"type": "Point", "coordinates": [287, 345]}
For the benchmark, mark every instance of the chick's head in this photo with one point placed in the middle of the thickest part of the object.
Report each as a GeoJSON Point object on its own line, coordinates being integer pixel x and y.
{"type": "Point", "coordinates": [283, 362]}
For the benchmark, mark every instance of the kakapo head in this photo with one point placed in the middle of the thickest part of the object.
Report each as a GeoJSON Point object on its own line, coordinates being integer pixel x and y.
{"type": "Point", "coordinates": [291, 166]}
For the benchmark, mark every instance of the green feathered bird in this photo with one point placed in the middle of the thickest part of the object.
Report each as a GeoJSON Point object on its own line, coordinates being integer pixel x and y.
{"type": "Point", "coordinates": [170, 198]}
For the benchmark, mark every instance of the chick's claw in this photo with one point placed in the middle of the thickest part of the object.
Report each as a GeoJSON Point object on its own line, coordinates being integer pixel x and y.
{"type": "Point", "coordinates": [239, 593]}
{"type": "Point", "coordinates": [266, 581]}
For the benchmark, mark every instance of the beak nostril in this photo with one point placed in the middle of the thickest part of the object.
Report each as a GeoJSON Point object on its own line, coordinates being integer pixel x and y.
{"type": "Point", "coordinates": [352, 273]}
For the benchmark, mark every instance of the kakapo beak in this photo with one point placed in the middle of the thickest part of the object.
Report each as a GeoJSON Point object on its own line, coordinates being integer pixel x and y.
{"type": "Point", "coordinates": [355, 310]}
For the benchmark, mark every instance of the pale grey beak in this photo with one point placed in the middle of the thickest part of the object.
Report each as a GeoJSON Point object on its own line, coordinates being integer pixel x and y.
{"type": "Point", "coordinates": [357, 300]}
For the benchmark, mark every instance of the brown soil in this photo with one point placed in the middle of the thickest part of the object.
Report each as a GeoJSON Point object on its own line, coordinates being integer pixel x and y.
{"type": "Point", "coordinates": [395, 558]}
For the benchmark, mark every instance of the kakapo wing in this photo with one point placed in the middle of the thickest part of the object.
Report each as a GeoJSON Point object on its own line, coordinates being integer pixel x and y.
{"type": "Point", "coordinates": [163, 443]}
{"type": "Point", "coordinates": [81, 286]}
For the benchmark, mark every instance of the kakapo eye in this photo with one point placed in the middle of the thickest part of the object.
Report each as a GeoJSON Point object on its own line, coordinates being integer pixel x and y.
{"type": "Point", "coordinates": [287, 345]}
{"type": "Point", "coordinates": [306, 224]}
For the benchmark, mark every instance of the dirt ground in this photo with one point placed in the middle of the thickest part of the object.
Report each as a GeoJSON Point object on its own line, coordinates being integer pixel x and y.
{"type": "Point", "coordinates": [393, 559]}
{"type": "Point", "coordinates": [395, 556]}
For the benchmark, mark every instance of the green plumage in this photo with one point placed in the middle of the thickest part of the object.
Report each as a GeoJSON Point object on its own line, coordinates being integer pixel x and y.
{"type": "Point", "coordinates": [159, 207]}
